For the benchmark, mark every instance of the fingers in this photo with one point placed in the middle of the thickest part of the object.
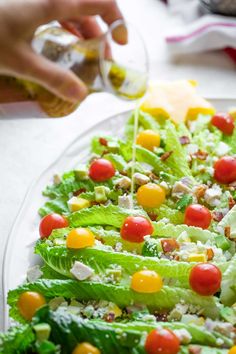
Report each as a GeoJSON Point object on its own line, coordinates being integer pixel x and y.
{"type": "Point", "coordinates": [87, 27]}
{"type": "Point", "coordinates": [57, 80]}
{"type": "Point", "coordinates": [108, 10]}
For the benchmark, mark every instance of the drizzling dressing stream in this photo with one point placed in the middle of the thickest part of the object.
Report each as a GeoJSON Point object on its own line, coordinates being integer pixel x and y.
{"type": "Point", "coordinates": [136, 117]}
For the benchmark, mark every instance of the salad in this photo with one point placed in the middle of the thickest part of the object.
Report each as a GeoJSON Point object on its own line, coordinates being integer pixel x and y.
{"type": "Point", "coordinates": [153, 271]}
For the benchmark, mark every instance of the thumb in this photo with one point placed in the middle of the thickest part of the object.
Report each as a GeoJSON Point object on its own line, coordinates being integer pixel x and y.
{"type": "Point", "coordinates": [62, 82]}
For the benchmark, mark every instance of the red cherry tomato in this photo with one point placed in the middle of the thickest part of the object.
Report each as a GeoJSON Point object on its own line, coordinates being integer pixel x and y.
{"type": "Point", "coordinates": [224, 122]}
{"type": "Point", "coordinates": [135, 228]}
{"type": "Point", "coordinates": [197, 215]}
{"type": "Point", "coordinates": [225, 170]}
{"type": "Point", "coordinates": [205, 279]}
{"type": "Point", "coordinates": [51, 222]}
{"type": "Point", "coordinates": [162, 341]}
{"type": "Point", "coordinates": [101, 170]}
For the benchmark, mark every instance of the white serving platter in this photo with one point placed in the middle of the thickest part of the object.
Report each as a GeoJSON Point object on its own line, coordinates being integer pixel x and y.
{"type": "Point", "coordinates": [19, 255]}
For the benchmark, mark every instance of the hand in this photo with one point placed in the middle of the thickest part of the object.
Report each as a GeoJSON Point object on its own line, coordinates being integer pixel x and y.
{"type": "Point", "coordinates": [19, 20]}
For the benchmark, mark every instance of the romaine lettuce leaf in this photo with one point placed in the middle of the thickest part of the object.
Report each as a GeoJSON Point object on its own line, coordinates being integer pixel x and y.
{"type": "Point", "coordinates": [103, 215]}
{"type": "Point", "coordinates": [123, 296]}
{"type": "Point", "coordinates": [61, 260]}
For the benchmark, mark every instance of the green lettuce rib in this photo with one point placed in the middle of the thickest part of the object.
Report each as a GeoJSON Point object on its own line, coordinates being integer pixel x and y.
{"type": "Point", "coordinates": [117, 160]}
{"type": "Point", "coordinates": [123, 296]}
{"type": "Point", "coordinates": [103, 215]}
{"type": "Point", "coordinates": [200, 335]}
{"type": "Point", "coordinates": [228, 292]}
{"type": "Point", "coordinates": [61, 260]}
{"type": "Point", "coordinates": [144, 155]}
{"type": "Point", "coordinates": [195, 233]}
{"type": "Point", "coordinates": [178, 159]}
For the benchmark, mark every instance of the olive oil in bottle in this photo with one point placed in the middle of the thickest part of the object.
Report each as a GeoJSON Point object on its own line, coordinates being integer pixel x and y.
{"type": "Point", "coordinates": [99, 71]}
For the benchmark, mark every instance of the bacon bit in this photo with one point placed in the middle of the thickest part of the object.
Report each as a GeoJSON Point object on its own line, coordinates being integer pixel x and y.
{"type": "Point", "coordinates": [184, 140]}
{"type": "Point", "coordinates": [110, 317]}
{"type": "Point", "coordinates": [210, 254]}
{"type": "Point", "coordinates": [232, 202]}
{"type": "Point", "coordinates": [232, 186]}
{"type": "Point", "coordinates": [152, 176]}
{"type": "Point", "coordinates": [104, 152]}
{"type": "Point", "coordinates": [169, 245]}
{"type": "Point", "coordinates": [227, 231]}
{"type": "Point", "coordinates": [166, 155]}
{"type": "Point", "coordinates": [152, 215]}
{"type": "Point", "coordinates": [123, 173]}
{"type": "Point", "coordinates": [176, 257]}
{"type": "Point", "coordinates": [103, 141]}
{"type": "Point", "coordinates": [161, 316]}
{"type": "Point", "coordinates": [79, 191]}
{"type": "Point", "coordinates": [200, 155]}
{"type": "Point", "coordinates": [200, 191]}
{"type": "Point", "coordinates": [217, 215]}
{"type": "Point", "coordinates": [194, 349]}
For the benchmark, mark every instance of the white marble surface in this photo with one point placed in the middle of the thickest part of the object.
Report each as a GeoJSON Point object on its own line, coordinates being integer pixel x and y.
{"type": "Point", "coordinates": [28, 146]}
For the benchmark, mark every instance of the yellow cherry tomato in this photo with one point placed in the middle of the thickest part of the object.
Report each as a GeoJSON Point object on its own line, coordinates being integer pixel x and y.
{"type": "Point", "coordinates": [29, 302]}
{"type": "Point", "coordinates": [232, 350]}
{"type": "Point", "coordinates": [85, 348]}
{"type": "Point", "coordinates": [146, 281]}
{"type": "Point", "coordinates": [148, 139]}
{"type": "Point", "coordinates": [80, 238]}
{"type": "Point", "coordinates": [150, 195]}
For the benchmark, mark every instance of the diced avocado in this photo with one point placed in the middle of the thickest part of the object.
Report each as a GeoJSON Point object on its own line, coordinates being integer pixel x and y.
{"type": "Point", "coordinates": [222, 242]}
{"type": "Point", "coordinates": [100, 194]}
{"type": "Point", "coordinates": [77, 203]}
{"type": "Point", "coordinates": [56, 302]}
{"type": "Point", "coordinates": [42, 331]}
{"type": "Point", "coordinates": [81, 173]}
{"type": "Point", "coordinates": [114, 273]}
{"type": "Point", "coordinates": [113, 146]}
{"type": "Point", "coordinates": [228, 314]}
{"type": "Point", "coordinates": [152, 248]}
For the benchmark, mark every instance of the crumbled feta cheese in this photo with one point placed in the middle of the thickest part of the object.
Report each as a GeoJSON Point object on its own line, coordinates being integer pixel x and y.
{"type": "Point", "coordinates": [165, 220]}
{"type": "Point", "coordinates": [183, 335]}
{"type": "Point", "coordinates": [210, 170]}
{"type": "Point", "coordinates": [178, 311]}
{"type": "Point", "coordinates": [164, 185]}
{"type": "Point", "coordinates": [179, 189]}
{"type": "Point", "coordinates": [222, 149]}
{"type": "Point", "coordinates": [123, 182]}
{"type": "Point", "coordinates": [192, 149]}
{"type": "Point", "coordinates": [125, 201]}
{"type": "Point", "coordinates": [34, 273]}
{"type": "Point", "coordinates": [212, 195]}
{"type": "Point", "coordinates": [140, 178]}
{"type": "Point", "coordinates": [118, 247]}
{"type": "Point", "coordinates": [80, 271]}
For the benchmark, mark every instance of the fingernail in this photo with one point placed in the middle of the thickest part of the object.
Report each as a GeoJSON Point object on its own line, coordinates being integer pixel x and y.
{"type": "Point", "coordinates": [120, 34]}
{"type": "Point", "coordinates": [76, 93]}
